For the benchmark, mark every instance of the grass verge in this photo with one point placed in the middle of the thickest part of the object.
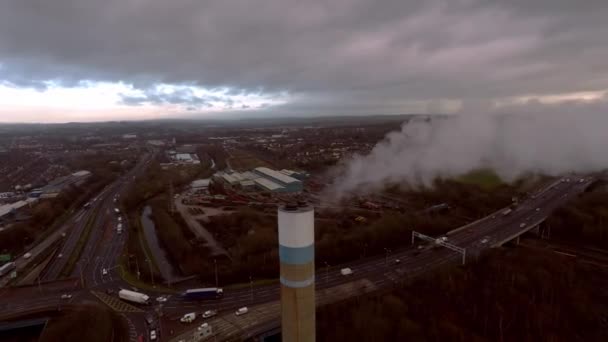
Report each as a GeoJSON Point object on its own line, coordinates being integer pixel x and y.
{"type": "Point", "coordinates": [133, 281]}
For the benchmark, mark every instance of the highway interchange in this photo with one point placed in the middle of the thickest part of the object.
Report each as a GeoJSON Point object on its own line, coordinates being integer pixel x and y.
{"type": "Point", "coordinates": [104, 246]}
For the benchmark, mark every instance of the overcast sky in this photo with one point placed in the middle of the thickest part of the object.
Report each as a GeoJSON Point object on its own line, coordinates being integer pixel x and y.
{"type": "Point", "coordinates": [85, 60]}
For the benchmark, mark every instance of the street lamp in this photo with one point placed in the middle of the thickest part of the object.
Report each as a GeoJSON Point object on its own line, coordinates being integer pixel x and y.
{"type": "Point", "coordinates": [215, 266]}
{"type": "Point", "coordinates": [151, 272]}
{"type": "Point", "coordinates": [386, 259]}
{"type": "Point", "coordinates": [251, 288]}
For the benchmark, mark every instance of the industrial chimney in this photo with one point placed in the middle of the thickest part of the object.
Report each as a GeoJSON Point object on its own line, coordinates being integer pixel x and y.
{"type": "Point", "coordinates": [297, 257]}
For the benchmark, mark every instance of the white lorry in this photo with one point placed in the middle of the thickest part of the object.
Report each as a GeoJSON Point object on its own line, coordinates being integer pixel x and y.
{"type": "Point", "coordinates": [135, 297]}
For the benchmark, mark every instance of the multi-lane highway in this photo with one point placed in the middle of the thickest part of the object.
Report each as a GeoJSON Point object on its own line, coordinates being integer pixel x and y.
{"type": "Point", "coordinates": [105, 245]}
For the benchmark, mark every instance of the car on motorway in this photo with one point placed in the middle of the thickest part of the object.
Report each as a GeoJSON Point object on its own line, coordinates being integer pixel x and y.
{"type": "Point", "coordinates": [209, 313]}
{"type": "Point", "coordinates": [161, 299]}
{"type": "Point", "coordinates": [27, 255]}
{"type": "Point", "coordinates": [116, 210]}
{"type": "Point", "coordinates": [442, 239]}
{"type": "Point", "coordinates": [485, 239]}
{"type": "Point", "coordinates": [241, 311]}
{"type": "Point", "coordinates": [397, 261]}
{"type": "Point", "coordinates": [149, 319]}
{"type": "Point", "coordinates": [104, 272]}
{"type": "Point", "coordinates": [346, 271]}
{"type": "Point", "coordinates": [522, 225]}
{"type": "Point", "coordinates": [153, 335]}
{"type": "Point", "coordinates": [59, 256]}
{"type": "Point", "coordinates": [119, 218]}
{"type": "Point", "coordinates": [537, 209]}
{"type": "Point", "coordinates": [66, 296]}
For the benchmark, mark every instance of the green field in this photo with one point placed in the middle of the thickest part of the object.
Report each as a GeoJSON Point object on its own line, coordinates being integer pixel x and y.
{"type": "Point", "coordinates": [485, 178]}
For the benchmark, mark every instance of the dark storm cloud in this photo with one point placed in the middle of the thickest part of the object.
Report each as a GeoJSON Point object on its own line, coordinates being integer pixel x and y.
{"type": "Point", "coordinates": [378, 56]}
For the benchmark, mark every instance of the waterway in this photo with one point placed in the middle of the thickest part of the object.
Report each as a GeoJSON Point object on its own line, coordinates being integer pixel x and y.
{"type": "Point", "coordinates": [165, 267]}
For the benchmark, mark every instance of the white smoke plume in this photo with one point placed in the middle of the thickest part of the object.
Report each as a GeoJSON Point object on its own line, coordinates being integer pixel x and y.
{"type": "Point", "coordinates": [423, 150]}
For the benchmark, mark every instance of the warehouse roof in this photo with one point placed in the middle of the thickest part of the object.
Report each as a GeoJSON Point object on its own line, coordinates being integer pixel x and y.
{"type": "Point", "coordinates": [229, 178]}
{"type": "Point", "coordinates": [276, 175]}
{"type": "Point", "coordinates": [200, 183]}
{"type": "Point", "coordinates": [267, 184]}
{"type": "Point", "coordinates": [81, 173]}
{"type": "Point", "coordinates": [250, 175]}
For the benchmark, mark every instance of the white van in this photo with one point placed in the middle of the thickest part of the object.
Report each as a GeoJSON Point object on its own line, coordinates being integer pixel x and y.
{"type": "Point", "coordinates": [188, 318]}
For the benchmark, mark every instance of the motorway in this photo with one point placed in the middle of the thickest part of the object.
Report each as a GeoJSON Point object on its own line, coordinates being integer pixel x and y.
{"type": "Point", "coordinates": [104, 246]}
{"type": "Point", "coordinates": [101, 250]}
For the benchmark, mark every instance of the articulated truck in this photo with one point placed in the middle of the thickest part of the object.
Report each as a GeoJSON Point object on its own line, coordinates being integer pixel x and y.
{"type": "Point", "coordinates": [135, 297]}
{"type": "Point", "coordinates": [205, 293]}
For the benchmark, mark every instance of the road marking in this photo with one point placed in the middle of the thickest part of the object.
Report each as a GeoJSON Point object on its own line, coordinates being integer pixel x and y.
{"type": "Point", "coordinates": [132, 331]}
{"type": "Point", "coordinates": [115, 303]}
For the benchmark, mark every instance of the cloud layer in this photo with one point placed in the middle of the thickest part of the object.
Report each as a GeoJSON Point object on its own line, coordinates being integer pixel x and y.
{"type": "Point", "coordinates": [343, 56]}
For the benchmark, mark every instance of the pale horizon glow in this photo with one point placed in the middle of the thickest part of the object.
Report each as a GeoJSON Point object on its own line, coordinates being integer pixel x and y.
{"type": "Point", "coordinates": [102, 101]}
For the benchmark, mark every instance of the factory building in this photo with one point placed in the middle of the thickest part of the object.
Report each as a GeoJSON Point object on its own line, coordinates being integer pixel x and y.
{"type": "Point", "coordinates": [297, 275]}
{"type": "Point", "coordinates": [55, 187]}
{"type": "Point", "coordinates": [247, 185]}
{"type": "Point", "coordinates": [299, 175]}
{"type": "Point", "coordinates": [200, 184]}
{"type": "Point", "coordinates": [289, 183]}
{"type": "Point", "coordinates": [261, 178]}
{"type": "Point", "coordinates": [268, 185]}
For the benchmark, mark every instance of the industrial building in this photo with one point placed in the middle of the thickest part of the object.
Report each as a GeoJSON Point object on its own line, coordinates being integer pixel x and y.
{"type": "Point", "coordinates": [297, 275]}
{"type": "Point", "coordinates": [299, 175]}
{"type": "Point", "coordinates": [289, 183]}
{"type": "Point", "coordinates": [268, 185]}
{"type": "Point", "coordinates": [200, 184]}
{"type": "Point", "coordinates": [261, 178]}
{"type": "Point", "coordinates": [55, 187]}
